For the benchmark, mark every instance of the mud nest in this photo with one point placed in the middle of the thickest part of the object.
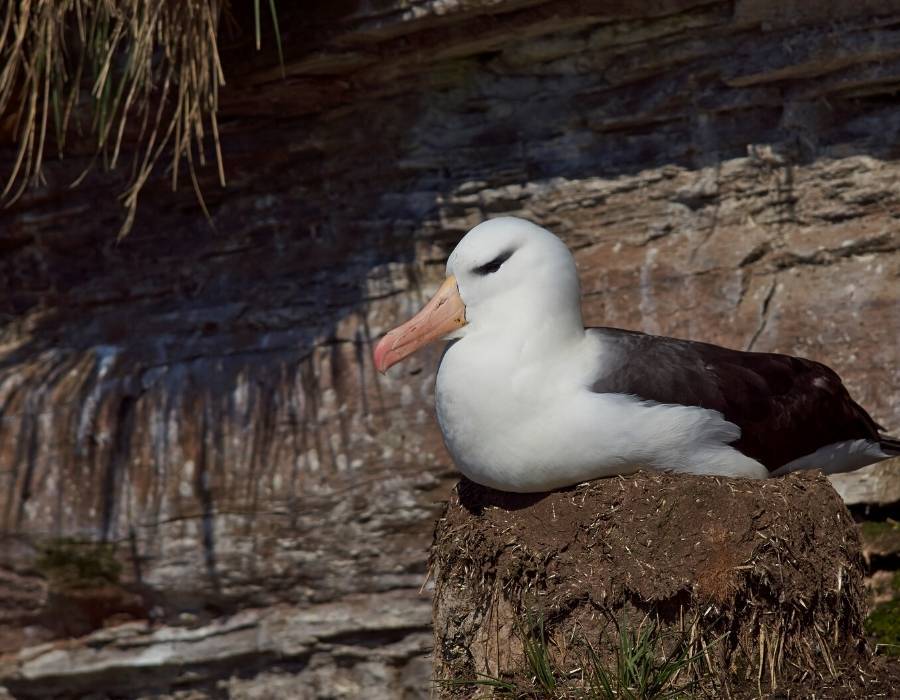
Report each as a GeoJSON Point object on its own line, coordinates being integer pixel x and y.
{"type": "Point", "coordinates": [760, 581]}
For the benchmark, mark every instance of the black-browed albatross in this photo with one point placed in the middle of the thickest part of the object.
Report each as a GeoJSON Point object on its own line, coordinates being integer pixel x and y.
{"type": "Point", "coordinates": [528, 399]}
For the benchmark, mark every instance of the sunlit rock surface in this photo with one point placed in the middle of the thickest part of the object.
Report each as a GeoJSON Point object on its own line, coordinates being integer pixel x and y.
{"type": "Point", "coordinates": [202, 399]}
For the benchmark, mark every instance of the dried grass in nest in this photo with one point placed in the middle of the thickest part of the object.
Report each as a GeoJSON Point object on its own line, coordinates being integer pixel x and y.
{"type": "Point", "coordinates": [762, 579]}
{"type": "Point", "coordinates": [151, 73]}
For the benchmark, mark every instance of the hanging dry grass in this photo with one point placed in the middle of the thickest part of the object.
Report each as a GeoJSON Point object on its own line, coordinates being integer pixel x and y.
{"type": "Point", "coordinates": [149, 69]}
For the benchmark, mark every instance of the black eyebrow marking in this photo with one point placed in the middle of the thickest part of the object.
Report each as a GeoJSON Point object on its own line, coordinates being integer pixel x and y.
{"type": "Point", "coordinates": [494, 264]}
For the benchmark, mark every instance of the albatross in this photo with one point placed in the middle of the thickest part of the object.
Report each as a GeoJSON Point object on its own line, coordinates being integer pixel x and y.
{"type": "Point", "coordinates": [530, 400]}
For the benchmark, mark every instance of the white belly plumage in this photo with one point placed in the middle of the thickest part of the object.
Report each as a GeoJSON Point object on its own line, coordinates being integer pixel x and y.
{"type": "Point", "coordinates": [514, 430]}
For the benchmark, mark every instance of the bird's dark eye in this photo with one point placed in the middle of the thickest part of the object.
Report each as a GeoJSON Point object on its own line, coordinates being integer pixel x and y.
{"type": "Point", "coordinates": [494, 264]}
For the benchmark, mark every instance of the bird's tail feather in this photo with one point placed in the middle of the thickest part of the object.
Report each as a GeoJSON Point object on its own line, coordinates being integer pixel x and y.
{"type": "Point", "coordinates": [890, 445]}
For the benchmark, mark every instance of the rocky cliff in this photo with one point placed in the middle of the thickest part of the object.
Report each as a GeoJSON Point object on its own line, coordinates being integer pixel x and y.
{"type": "Point", "coordinates": [205, 486]}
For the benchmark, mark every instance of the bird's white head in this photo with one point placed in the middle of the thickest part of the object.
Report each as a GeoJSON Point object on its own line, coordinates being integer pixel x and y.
{"type": "Point", "coordinates": [506, 275]}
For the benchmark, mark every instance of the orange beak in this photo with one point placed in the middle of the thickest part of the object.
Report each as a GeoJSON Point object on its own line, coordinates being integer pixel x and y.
{"type": "Point", "coordinates": [445, 312]}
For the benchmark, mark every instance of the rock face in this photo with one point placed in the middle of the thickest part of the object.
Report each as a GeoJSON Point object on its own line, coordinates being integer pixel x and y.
{"type": "Point", "coordinates": [200, 401]}
{"type": "Point", "coordinates": [362, 646]}
{"type": "Point", "coordinates": [760, 579]}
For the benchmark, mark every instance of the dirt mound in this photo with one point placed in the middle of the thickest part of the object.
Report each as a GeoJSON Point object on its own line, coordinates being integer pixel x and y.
{"type": "Point", "coordinates": [759, 579]}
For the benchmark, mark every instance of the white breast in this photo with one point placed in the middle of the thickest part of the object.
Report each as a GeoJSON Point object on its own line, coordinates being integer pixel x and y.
{"type": "Point", "coordinates": [521, 421]}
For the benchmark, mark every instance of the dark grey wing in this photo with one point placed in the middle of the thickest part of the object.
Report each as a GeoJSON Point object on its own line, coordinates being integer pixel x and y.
{"type": "Point", "coordinates": [786, 407]}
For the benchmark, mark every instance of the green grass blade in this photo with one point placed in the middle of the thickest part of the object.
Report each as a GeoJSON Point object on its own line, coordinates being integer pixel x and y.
{"type": "Point", "coordinates": [537, 655]}
{"type": "Point", "coordinates": [599, 679]}
{"type": "Point", "coordinates": [483, 680]}
{"type": "Point", "coordinates": [277, 35]}
{"type": "Point", "coordinates": [257, 23]}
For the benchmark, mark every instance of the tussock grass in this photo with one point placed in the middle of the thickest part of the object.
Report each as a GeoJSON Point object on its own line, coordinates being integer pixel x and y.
{"type": "Point", "coordinates": [648, 664]}
{"type": "Point", "coordinates": [149, 71]}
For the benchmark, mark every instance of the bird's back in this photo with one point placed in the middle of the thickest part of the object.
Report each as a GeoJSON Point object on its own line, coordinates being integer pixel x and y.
{"type": "Point", "coordinates": [787, 407]}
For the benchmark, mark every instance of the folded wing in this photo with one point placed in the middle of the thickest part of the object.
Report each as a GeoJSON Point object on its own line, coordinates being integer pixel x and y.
{"type": "Point", "coordinates": [786, 407]}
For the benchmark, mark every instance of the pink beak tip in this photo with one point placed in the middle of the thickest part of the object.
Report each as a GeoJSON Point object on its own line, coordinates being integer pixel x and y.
{"type": "Point", "coordinates": [445, 312]}
{"type": "Point", "coordinates": [379, 355]}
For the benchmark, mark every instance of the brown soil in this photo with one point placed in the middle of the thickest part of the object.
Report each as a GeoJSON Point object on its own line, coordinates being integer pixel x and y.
{"type": "Point", "coordinates": [866, 680]}
{"type": "Point", "coordinates": [766, 575]}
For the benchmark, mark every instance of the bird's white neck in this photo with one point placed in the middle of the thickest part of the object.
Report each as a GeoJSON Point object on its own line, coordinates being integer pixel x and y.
{"type": "Point", "coordinates": [541, 315]}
